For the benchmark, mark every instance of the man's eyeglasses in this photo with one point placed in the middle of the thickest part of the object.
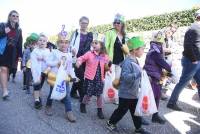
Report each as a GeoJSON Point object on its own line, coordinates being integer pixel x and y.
{"type": "Point", "coordinates": [15, 16]}
{"type": "Point", "coordinates": [117, 22]}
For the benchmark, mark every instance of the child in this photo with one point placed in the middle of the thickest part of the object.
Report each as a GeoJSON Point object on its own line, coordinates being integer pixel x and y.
{"type": "Point", "coordinates": [31, 44]}
{"type": "Point", "coordinates": [94, 74]}
{"type": "Point", "coordinates": [154, 64]}
{"type": "Point", "coordinates": [53, 62]}
{"type": "Point", "coordinates": [38, 66]}
{"type": "Point", "coordinates": [129, 85]}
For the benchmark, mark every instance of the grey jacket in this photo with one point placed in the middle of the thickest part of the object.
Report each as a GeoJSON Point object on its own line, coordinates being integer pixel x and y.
{"type": "Point", "coordinates": [130, 79]}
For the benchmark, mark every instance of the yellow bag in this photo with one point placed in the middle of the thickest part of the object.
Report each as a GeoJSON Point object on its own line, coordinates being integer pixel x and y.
{"type": "Point", "coordinates": [125, 49]}
{"type": "Point", "coordinates": [51, 78]}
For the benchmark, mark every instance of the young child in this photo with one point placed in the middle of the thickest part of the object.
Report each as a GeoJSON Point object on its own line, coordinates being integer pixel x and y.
{"type": "Point", "coordinates": [26, 66]}
{"type": "Point", "coordinates": [53, 62]}
{"type": "Point", "coordinates": [94, 74]}
{"type": "Point", "coordinates": [154, 65]}
{"type": "Point", "coordinates": [130, 80]}
{"type": "Point", "coordinates": [38, 65]}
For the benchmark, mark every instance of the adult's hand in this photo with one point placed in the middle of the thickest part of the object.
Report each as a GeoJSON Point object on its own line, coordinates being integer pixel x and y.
{"type": "Point", "coordinates": [195, 62]}
{"type": "Point", "coordinates": [7, 30]}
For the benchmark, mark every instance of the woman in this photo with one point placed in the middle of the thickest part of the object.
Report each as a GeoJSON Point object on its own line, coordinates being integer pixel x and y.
{"type": "Point", "coordinates": [114, 41]}
{"type": "Point", "coordinates": [80, 44]}
{"type": "Point", "coordinates": [13, 48]}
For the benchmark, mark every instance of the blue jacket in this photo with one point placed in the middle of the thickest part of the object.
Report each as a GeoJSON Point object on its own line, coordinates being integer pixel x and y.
{"type": "Point", "coordinates": [130, 78]}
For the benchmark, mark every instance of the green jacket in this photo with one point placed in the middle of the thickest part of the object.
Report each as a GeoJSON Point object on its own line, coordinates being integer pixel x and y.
{"type": "Point", "coordinates": [110, 38]}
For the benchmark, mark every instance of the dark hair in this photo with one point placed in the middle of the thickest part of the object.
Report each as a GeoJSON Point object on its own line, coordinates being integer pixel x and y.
{"type": "Point", "coordinates": [103, 48]}
{"type": "Point", "coordinates": [8, 21]}
{"type": "Point", "coordinates": [84, 18]}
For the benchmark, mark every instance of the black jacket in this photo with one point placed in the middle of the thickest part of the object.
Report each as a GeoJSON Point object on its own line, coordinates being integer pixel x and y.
{"type": "Point", "coordinates": [192, 42]}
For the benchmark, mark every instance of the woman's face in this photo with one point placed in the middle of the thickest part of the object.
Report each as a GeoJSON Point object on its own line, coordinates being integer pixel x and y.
{"type": "Point", "coordinates": [83, 24]}
{"type": "Point", "coordinates": [63, 45]}
{"type": "Point", "coordinates": [42, 42]}
{"type": "Point", "coordinates": [14, 17]}
{"type": "Point", "coordinates": [117, 25]}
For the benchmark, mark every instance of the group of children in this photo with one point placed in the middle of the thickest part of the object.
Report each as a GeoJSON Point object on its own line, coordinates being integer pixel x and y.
{"type": "Point", "coordinates": [37, 59]}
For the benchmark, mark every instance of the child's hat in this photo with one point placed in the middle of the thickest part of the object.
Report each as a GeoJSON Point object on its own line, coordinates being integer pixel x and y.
{"type": "Point", "coordinates": [158, 37]}
{"type": "Point", "coordinates": [135, 42]}
{"type": "Point", "coordinates": [119, 17]}
{"type": "Point", "coordinates": [98, 37]}
{"type": "Point", "coordinates": [63, 35]}
{"type": "Point", "coordinates": [33, 37]}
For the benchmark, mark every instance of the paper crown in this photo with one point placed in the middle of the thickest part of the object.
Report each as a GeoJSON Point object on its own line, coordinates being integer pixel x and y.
{"type": "Point", "coordinates": [63, 35]}
{"type": "Point", "coordinates": [32, 37]}
{"type": "Point", "coordinates": [98, 37]}
{"type": "Point", "coordinates": [135, 42]}
{"type": "Point", "coordinates": [119, 17]}
{"type": "Point", "coordinates": [158, 37]}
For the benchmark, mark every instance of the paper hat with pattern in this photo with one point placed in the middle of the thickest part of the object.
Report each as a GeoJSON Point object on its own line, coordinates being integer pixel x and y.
{"type": "Point", "coordinates": [63, 35]}
{"type": "Point", "coordinates": [197, 13]}
{"type": "Point", "coordinates": [119, 17]}
{"type": "Point", "coordinates": [33, 37]}
{"type": "Point", "coordinates": [98, 37]}
{"type": "Point", "coordinates": [135, 42]}
{"type": "Point", "coordinates": [158, 37]}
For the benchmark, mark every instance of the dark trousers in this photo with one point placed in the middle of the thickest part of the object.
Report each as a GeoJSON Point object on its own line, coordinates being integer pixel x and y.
{"type": "Point", "coordinates": [79, 85]}
{"type": "Point", "coordinates": [123, 107]}
{"type": "Point", "coordinates": [28, 77]}
{"type": "Point", "coordinates": [13, 71]}
{"type": "Point", "coordinates": [38, 87]}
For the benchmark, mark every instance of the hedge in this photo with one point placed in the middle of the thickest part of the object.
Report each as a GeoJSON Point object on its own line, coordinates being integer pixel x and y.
{"type": "Point", "coordinates": [182, 18]}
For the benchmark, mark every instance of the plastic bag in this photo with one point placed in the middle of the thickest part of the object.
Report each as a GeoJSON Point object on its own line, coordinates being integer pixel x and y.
{"type": "Point", "coordinates": [146, 102]}
{"type": "Point", "coordinates": [59, 89]}
{"type": "Point", "coordinates": [110, 94]}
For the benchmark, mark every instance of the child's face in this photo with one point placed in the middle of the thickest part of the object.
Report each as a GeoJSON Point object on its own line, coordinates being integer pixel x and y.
{"type": "Point", "coordinates": [42, 42]}
{"type": "Point", "coordinates": [63, 45]}
{"type": "Point", "coordinates": [96, 46]}
{"type": "Point", "coordinates": [139, 52]}
{"type": "Point", "coordinates": [33, 45]}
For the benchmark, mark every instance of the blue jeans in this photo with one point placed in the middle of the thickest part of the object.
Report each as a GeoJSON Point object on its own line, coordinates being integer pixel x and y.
{"type": "Point", "coordinates": [189, 71]}
{"type": "Point", "coordinates": [67, 99]}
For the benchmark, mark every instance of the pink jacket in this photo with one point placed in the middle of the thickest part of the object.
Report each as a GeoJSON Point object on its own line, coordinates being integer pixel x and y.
{"type": "Point", "coordinates": [92, 59]}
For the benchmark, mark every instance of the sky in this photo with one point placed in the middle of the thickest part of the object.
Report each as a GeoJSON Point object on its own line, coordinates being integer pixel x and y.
{"type": "Point", "coordinates": [47, 16]}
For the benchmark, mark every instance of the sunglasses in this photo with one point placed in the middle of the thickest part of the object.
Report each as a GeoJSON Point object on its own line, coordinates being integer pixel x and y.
{"type": "Point", "coordinates": [95, 42]}
{"type": "Point", "coordinates": [15, 16]}
{"type": "Point", "coordinates": [117, 22]}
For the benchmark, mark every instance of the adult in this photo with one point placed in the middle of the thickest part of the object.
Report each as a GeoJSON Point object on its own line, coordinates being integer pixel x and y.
{"type": "Point", "coordinates": [13, 48]}
{"type": "Point", "coordinates": [114, 41]}
{"type": "Point", "coordinates": [80, 43]}
{"type": "Point", "coordinates": [190, 62]}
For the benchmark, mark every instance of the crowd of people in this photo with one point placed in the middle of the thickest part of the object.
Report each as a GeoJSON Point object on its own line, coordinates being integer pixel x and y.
{"type": "Point", "coordinates": [89, 56]}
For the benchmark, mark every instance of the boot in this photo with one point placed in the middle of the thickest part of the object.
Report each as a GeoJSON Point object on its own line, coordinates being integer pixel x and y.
{"type": "Point", "coordinates": [100, 113]}
{"type": "Point", "coordinates": [83, 108]}
{"type": "Point", "coordinates": [157, 119]}
{"type": "Point", "coordinates": [70, 116]}
{"type": "Point", "coordinates": [48, 111]}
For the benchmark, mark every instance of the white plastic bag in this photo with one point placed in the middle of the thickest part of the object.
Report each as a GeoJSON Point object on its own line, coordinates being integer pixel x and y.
{"type": "Point", "coordinates": [59, 89]}
{"type": "Point", "coordinates": [110, 94]}
{"type": "Point", "coordinates": [146, 102]}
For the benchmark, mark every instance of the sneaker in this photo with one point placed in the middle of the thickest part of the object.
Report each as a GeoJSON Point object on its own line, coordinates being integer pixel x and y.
{"type": "Point", "coordinates": [48, 111]}
{"type": "Point", "coordinates": [110, 126]}
{"type": "Point", "coordinates": [174, 107]}
{"type": "Point", "coordinates": [141, 131]}
{"type": "Point", "coordinates": [157, 119]}
{"type": "Point", "coordinates": [38, 105]}
{"type": "Point", "coordinates": [70, 116]}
